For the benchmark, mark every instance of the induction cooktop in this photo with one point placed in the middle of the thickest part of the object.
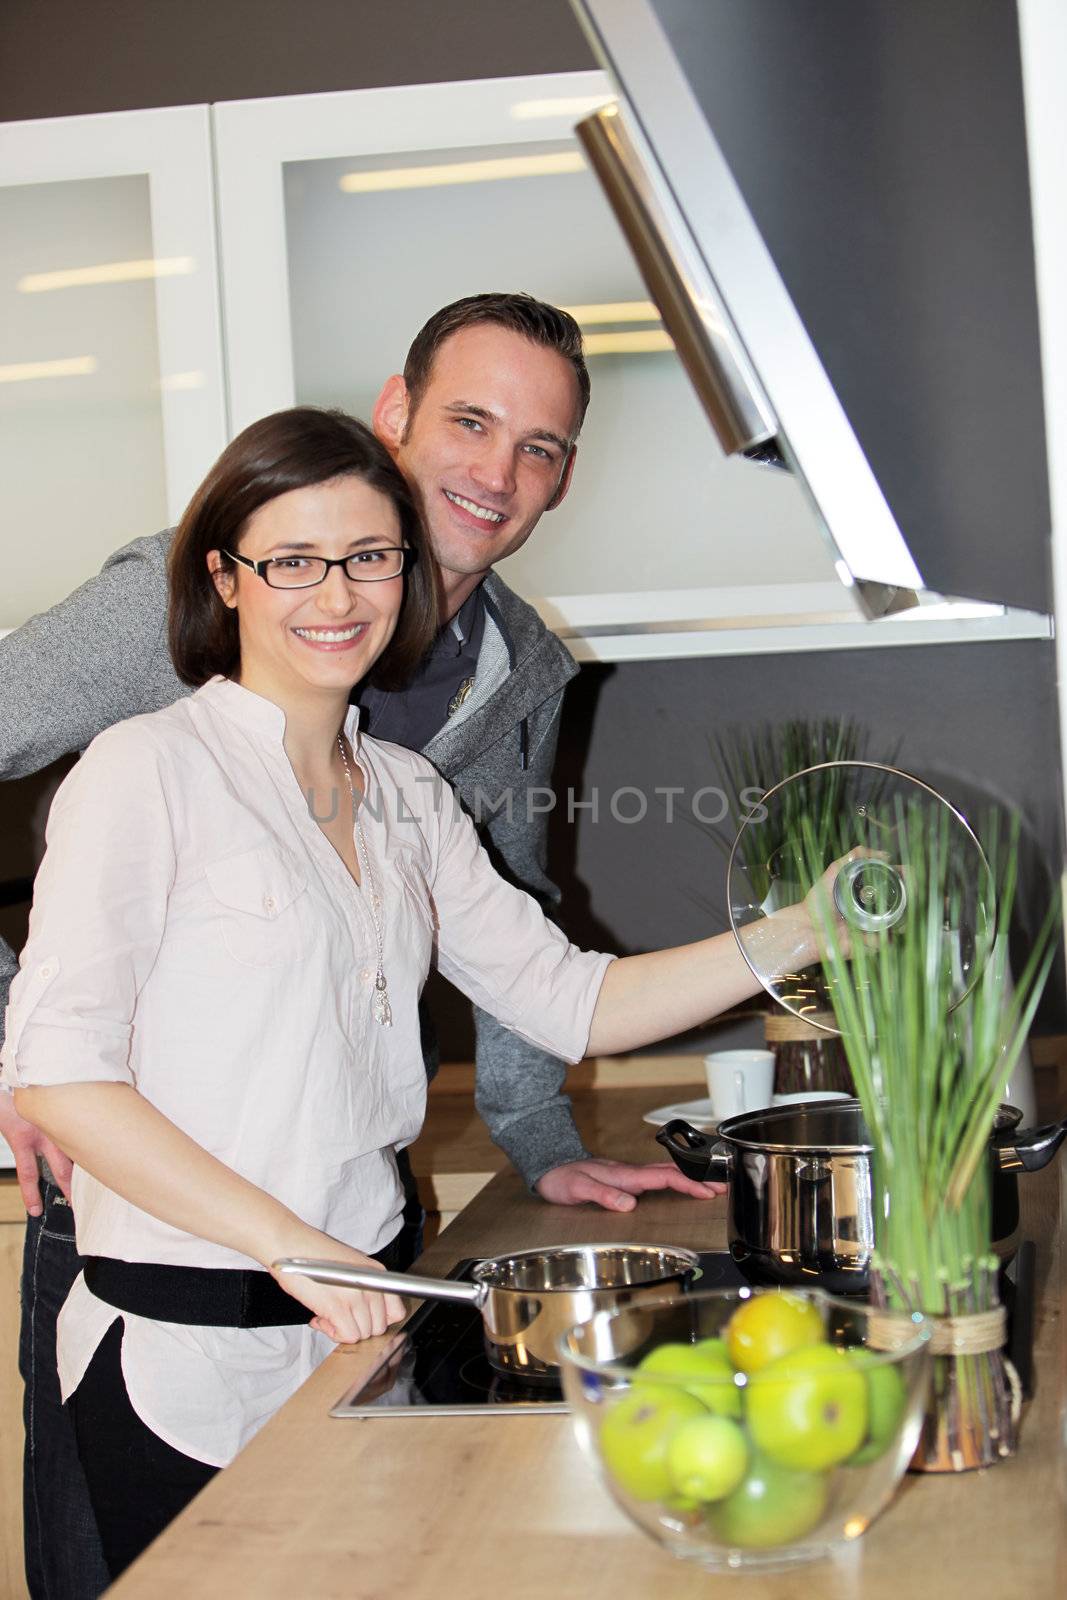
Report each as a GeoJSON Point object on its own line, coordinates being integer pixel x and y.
{"type": "Point", "coordinates": [437, 1362]}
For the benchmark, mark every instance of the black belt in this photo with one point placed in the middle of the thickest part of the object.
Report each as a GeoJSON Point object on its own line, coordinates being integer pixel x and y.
{"type": "Point", "coordinates": [206, 1297]}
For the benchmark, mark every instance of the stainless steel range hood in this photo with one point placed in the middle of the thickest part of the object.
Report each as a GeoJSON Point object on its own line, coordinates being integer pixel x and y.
{"type": "Point", "coordinates": [829, 204]}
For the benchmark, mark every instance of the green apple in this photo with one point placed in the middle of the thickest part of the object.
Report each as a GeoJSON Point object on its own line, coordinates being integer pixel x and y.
{"type": "Point", "coordinates": [703, 1369]}
{"type": "Point", "coordinates": [635, 1433]}
{"type": "Point", "coordinates": [768, 1325]}
{"type": "Point", "coordinates": [809, 1409]}
{"type": "Point", "coordinates": [773, 1505]}
{"type": "Point", "coordinates": [886, 1401]}
{"type": "Point", "coordinates": [707, 1458]}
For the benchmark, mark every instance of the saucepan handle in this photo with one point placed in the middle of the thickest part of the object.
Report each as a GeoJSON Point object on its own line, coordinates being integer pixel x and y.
{"type": "Point", "coordinates": [1032, 1150]}
{"type": "Point", "coordinates": [706, 1160]}
{"type": "Point", "coordinates": [348, 1277]}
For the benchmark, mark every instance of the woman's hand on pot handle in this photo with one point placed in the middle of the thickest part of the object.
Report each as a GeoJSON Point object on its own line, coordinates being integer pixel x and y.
{"type": "Point", "coordinates": [344, 1315]}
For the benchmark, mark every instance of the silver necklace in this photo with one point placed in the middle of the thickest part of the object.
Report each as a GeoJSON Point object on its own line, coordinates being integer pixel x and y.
{"type": "Point", "coordinates": [381, 1010]}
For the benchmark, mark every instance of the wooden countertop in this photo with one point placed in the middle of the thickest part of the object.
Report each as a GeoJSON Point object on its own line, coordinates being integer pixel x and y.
{"type": "Point", "coordinates": [476, 1508]}
{"type": "Point", "coordinates": [454, 1156]}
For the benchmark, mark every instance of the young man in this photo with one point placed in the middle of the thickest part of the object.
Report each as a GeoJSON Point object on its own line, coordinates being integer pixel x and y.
{"type": "Point", "coordinates": [484, 422]}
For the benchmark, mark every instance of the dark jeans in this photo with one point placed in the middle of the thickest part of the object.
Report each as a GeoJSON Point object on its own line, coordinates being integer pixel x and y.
{"type": "Point", "coordinates": [64, 1558]}
{"type": "Point", "coordinates": [137, 1483]}
{"type": "Point", "coordinates": [63, 1550]}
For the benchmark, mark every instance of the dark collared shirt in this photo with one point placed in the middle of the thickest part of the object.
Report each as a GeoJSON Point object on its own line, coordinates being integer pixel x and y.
{"type": "Point", "coordinates": [413, 715]}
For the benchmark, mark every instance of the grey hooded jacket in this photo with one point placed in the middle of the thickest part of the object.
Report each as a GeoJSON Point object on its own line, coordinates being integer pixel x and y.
{"type": "Point", "coordinates": [101, 655]}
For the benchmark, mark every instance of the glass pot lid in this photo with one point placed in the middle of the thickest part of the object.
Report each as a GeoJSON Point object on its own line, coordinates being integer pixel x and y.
{"type": "Point", "coordinates": [865, 816]}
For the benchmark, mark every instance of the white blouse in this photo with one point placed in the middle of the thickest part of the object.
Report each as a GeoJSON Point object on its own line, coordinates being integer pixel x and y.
{"type": "Point", "coordinates": [195, 934]}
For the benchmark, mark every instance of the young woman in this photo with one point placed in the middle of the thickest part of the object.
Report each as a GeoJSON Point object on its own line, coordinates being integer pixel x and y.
{"type": "Point", "coordinates": [216, 1014]}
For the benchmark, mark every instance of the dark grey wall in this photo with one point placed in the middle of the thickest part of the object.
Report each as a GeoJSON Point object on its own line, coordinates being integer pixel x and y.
{"type": "Point", "coordinates": [978, 721]}
{"type": "Point", "coordinates": [60, 58]}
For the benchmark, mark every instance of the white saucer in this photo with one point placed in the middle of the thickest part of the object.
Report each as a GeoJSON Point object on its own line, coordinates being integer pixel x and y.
{"type": "Point", "coordinates": [698, 1112]}
{"type": "Point", "coordinates": [703, 1118]}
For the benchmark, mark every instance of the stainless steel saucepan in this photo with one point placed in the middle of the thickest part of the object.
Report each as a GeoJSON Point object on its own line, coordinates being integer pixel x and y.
{"type": "Point", "coordinates": [801, 1193]}
{"type": "Point", "coordinates": [528, 1299]}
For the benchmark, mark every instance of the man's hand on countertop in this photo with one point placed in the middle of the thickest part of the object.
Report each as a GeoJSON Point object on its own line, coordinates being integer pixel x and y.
{"type": "Point", "coordinates": [615, 1185]}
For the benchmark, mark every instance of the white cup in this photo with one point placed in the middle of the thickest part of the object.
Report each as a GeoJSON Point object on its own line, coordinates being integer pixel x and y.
{"type": "Point", "coordinates": [739, 1080]}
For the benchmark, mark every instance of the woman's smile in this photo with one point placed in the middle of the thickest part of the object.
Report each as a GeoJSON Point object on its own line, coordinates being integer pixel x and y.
{"type": "Point", "coordinates": [332, 638]}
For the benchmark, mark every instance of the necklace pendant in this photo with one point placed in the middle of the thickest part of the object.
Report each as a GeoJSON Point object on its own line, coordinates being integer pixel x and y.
{"type": "Point", "coordinates": [381, 1010]}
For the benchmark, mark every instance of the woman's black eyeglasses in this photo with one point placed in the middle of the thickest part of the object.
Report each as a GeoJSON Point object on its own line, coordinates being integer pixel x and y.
{"type": "Point", "coordinates": [304, 572]}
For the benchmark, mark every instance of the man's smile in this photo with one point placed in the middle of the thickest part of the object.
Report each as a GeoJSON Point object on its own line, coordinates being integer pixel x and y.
{"type": "Point", "coordinates": [483, 513]}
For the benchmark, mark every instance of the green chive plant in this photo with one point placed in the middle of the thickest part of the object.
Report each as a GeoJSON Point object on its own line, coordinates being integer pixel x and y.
{"type": "Point", "coordinates": [930, 1069]}
{"type": "Point", "coordinates": [755, 759]}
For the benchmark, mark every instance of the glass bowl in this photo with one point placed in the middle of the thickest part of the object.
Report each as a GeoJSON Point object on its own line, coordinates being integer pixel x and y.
{"type": "Point", "coordinates": [760, 1468]}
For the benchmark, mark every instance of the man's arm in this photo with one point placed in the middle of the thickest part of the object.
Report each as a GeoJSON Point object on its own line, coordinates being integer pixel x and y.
{"type": "Point", "coordinates": [93, 659]}
{"type": "Point", "coordinates": [66, 675]}
{"type": "Point", "coordinates": [519, 1089]}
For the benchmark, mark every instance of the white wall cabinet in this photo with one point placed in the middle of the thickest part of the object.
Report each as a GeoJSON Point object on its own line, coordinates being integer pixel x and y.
{"type": "Point", "coordinates": [343, 221]}
{"type": "Point", "coordinates": [112, 401]}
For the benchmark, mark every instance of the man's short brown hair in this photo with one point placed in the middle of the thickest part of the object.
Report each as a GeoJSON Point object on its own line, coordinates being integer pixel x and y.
{"type": "Point", "coordinates": [520, 313]}
{"type": "Point", "coordinates": [289, 450]}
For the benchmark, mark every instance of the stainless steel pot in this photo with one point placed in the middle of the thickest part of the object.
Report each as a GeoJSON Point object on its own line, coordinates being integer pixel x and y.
{"type": "Point", "coordinates": [530, 1298]}
{"type": "Point", "coordinates": [800, 1204]}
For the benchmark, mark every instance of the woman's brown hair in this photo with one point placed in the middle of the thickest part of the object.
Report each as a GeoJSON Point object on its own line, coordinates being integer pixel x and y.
{"type": "Point", "coordinates": [289, 450]}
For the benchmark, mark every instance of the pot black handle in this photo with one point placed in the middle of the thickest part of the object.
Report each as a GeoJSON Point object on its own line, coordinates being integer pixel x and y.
{"type": "Point", "coordinates": [703, 1159]}
{"type": "Point", "coordinates": [1032, 1150]}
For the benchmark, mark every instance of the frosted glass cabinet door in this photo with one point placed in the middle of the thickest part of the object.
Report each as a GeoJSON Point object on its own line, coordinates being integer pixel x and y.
{"type": "Point", "coordinates": [347, 219]}
{"type": "Point", "coordinates": [111, 395]}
